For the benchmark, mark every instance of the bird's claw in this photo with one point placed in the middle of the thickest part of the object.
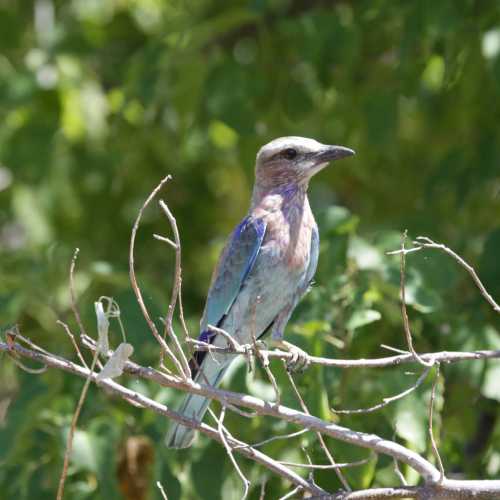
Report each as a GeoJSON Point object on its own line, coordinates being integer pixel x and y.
{"type": "Point", "coordinates": [299, 361]}
{"type": "Point", "coordinates": [260, 345]}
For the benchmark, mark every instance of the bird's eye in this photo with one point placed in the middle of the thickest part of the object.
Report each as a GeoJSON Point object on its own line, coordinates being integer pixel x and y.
{"type": "Point", "coordinates": [290, 153]}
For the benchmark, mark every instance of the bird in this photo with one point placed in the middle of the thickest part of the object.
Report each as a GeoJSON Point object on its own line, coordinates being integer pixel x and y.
{"type": "Point", "coordinates": [265, 267]}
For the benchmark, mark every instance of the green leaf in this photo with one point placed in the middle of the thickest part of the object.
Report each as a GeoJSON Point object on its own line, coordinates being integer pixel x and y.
{"type": "Point", "coordinates": [491, 385]}
{"type": "Point", "coordinates": [361, 318]}
{"type": "Point", "coordinates": [411, 421]}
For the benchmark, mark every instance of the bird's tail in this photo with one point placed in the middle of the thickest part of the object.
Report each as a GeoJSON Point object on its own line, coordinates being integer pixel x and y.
{"type": "Point", "coordinates": [195, 406]}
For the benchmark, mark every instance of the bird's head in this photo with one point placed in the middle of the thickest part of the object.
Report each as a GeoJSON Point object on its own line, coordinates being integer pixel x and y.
{"type": "Point", "coordinates": [294, 160]}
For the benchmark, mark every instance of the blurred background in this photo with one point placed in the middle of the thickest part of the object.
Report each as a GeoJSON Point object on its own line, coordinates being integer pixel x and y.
{"type": "Point", "coordinates": [99, 99]}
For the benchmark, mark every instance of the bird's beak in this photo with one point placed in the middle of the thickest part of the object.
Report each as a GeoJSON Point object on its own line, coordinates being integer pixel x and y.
{"type": "Point", "coordinates": [329, 153]}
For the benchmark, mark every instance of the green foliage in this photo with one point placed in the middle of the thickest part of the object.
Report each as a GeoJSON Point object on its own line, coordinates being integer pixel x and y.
{"type": "Point", "coordinates": [100, 99]}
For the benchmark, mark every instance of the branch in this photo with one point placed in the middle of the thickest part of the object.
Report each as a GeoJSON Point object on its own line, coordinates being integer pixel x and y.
{"type": "Point", "coordinates": [135, 287]}
{"type": "Point", "coordinates": [169, 328]}
{"type": "Point", "coordinates": [441, 357]}
{"type": "Point", "coordinates": [422, 242]}
{"type": "Point", "coordinates": [370, 441]}
{"type": "Point", "coordinates": [139, 400]}
{"type": "Point", "coordinates": [448, 489]}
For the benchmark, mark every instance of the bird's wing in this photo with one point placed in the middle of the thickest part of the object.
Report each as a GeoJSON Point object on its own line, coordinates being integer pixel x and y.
{"type": "Point", "coordinates": [313, 256]}
{"type": "Point", "coordinates": [235, 263]}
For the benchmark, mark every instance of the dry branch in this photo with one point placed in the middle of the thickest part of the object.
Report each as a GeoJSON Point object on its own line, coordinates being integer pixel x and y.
{"type": "Point", "coordinates": [140, 400]}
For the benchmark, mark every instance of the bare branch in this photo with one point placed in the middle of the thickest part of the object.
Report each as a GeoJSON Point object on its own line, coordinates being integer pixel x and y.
{"type": "Point", "coordinates": [423, 242]}
{"type": "Point", "coordinates": [488, 489]}
{"type": "Point", "coordinates": [73, 341]}
{"type": "Point", "coordinates": [291, 494]}
{"type": "Point", "coordinates": [222, 432]}
{"type": "Point", "coordinates": [346, 465]}
{"type": "Point", "coordinates": [442, 357]}
{"type": "Point", "coordinates": [431, 433]}
{"type": "Point", "coordinates": [169, 327]}
{"type": "Point", "coordinates": [276, 438]}
{"type": "Point", "coordinates": [370, 441]}
{"type": "Point", "coordinates": [145, 402]}
{"type": "Point", "coordinates": [74, 304]}
{"type": "Point", "coordinates": [387, 401]}
{"type": "Point", "coordinates": [135, 287]}
{"type": "Point", "coordinates": [71, 433]}
{"type": "Point", "coordinates": [162, 491]}
{"type": "Point", "coordinates": [404, 313]}
{"type": "Point", "coordinates": [165, 240]}
{"type": "Point", "coordinates": [341, 477]}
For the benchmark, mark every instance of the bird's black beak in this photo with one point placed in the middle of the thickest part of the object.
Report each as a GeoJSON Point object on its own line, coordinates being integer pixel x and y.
{"type": "Point", "coordinates": [330, 153]}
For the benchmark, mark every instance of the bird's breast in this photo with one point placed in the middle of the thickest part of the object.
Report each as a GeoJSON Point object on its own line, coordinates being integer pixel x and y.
{"type": "Point", "coordinates": [287, 242]}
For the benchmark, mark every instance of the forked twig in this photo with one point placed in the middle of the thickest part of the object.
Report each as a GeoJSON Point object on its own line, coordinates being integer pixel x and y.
{"type": "Point", "coordinates": [423, 242]}
{"type": "Point", "coordinates": [73, 341]}
{"type": "Point", "coordinates": [135, 287]}
{"type": "Point", "coordinates": [176, 288]}
{"type": "Point", "coordinates": [387, 401]}
{"type": "Point", "coordinates": [404, 313]}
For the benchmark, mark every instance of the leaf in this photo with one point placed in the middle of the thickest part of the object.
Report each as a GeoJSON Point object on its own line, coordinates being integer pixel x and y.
{"type": "Point", "coordinates": [365, 255]}
{"type": "Point", "coordinates": [362, 318]}
{"type": "Point", "coordinates": [84, 454]}
{"type": "Point", "coordinates": [102, 328]}
{"type": "Point", "coordinates": [114, 366]}
{"type": "Point", "coordinates": [491, 384]}
{"type": "Point", "coordinates": [259, 388]}
{"type": "Point", "coordinates": [411, 421]}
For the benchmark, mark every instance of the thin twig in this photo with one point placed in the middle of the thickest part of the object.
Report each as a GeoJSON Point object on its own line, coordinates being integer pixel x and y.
{"type": "Point", "coordinates": [263, 489]}
{"type": "Point", "coordinates": [162, 491]}
{"type": "Point", "coordinates": [404, 313]}
{"type": "Point", "coordinates": [276, 438]}
{"type": "Point", "coordinates": [73, 341]}
{"type": "Point", "coordinates": [71, 433]}
{"type": "Point", "coordinates": [425, 242]}
{"type": "Point", "coordinates": [291, 494]}
{"type": "Point", "coordinates": [135, 287]}
{"type": "Point", "coordinates": [264, 360]}
{"type": "Point", "coordinates": [346, 465]}
{"type": "Point", "coordinates": [169, 327]}
{"type": "Point", "coordinates": [393, 349]}
{"type": "Point", "coordinates": [229, 338]}
{"type": "Point", "coordinates": [27, 369]}
{"type": "Point", "coordinates": [435, 449]}
{"type": "Point", "coordinates": [222, 432]}
{"type": "Point", "coordinates": [387, 401]}
{"type": "Point", "coordinates": [159, 237]}
{"type": "Point", "coordinates": [321, 440]}
{"type": "Point", "coordinates": [72, 290]}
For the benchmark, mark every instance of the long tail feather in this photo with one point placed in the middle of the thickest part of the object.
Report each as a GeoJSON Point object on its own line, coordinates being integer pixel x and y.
{"type": "Point", "coordinates": [195, 406]}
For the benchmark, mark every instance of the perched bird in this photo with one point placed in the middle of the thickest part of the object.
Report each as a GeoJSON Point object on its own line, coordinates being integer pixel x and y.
{"type": "Point", "coordinates": [265, 267]}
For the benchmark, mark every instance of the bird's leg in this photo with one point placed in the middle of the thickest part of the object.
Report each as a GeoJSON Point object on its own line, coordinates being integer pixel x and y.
{"type": "Point", "coordinates": [299, 360]}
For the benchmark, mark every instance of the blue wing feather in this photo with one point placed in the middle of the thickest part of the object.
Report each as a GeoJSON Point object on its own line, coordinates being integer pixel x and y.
{"type": "Point", "coordinates": [313, 256]}
{"type": "Point", "coordinates": [236, 262]}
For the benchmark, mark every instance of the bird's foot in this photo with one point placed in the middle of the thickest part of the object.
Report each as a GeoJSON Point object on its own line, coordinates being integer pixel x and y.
{"type": "Point", "coordinates": [299, 360]}
{"type": "Point", "coordinates": [260, 345]}
{"type": "Point", "coordinates": [259, 349]}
